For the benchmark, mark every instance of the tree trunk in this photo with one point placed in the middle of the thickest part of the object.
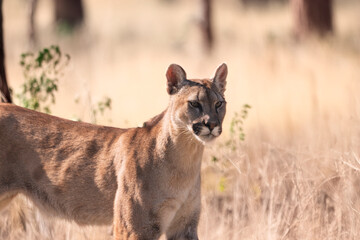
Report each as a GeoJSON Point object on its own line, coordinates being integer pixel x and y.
{"type": "Point", "coordinates": [4, 90]}
{"type": "Point", "coordinates": [313, 17]}
{"type": "Point", "coordinates": [206, 24]}
{"type": "Point", "coordinates": [70, 12]}
{"type": "Point", "coordinates": [255, 2]}
{"type": "Point", "coordinates": [261, 2]}
{"type": "Point", "coordinates": [32, 29]}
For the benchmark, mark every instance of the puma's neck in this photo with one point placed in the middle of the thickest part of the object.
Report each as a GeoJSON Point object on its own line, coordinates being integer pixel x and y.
{"type": "Point", "coordinates": [179, 145]}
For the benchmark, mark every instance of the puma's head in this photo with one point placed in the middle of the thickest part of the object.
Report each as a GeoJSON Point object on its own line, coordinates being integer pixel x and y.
{"type": "Point", "coordinates": [197, 105]}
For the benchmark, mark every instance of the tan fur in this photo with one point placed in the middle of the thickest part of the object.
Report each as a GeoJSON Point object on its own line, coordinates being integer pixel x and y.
{"type": "Point", "coordinates": [146, 181]}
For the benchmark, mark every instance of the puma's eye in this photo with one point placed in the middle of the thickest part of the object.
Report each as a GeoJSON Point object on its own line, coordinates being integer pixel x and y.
{"type": "Point", "coordinates": [194, 104]}
{"type": "Point", "coordinates": [218, 104]}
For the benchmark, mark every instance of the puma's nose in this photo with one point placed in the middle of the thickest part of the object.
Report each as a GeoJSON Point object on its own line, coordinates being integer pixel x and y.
{"type": "Point", "coordinates": [211, 125]}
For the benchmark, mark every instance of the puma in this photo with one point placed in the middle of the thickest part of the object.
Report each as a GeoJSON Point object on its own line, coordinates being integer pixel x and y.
{"type": "Point", "coordinates": [145, 181]}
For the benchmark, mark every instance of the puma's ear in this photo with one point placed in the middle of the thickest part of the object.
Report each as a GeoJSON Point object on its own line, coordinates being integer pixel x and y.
{"type": "Point", "coordinates": [220, 78]}
{"type": "Point", "coordinates": [175, 76]}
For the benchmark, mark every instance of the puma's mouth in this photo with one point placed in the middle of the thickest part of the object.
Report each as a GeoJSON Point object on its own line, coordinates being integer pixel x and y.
{"type": "Point", "coordinates": [204, 134]}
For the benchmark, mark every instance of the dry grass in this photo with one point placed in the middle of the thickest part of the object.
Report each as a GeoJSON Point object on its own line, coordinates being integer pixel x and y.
{"type": "Point", "coordinates": [296, 176]}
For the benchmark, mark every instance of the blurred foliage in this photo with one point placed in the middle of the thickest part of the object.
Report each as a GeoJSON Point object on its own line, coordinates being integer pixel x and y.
{"type": "Point", "coordinates": [237, 123]}
{"type": "Point", "coordinates": [214, 159]}
{"type": "Point", "coordinates": [237, 135]}
{"type": "Point", "coordinates": [41, 72]}
{"type": "Point", "coordinates": [97, 109]}
{"type": "Point", "coordinates": [222, 184]}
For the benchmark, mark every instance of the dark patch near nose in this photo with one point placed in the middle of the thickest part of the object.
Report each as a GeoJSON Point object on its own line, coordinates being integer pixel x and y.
{"type": "Point", "coordinates": [211, 125]}
{"type": "Point", "coordinates": [197, 128]}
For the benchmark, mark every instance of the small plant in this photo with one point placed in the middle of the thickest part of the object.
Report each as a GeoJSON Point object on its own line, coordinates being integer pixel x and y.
{"type": "Point", "coordinates": [237, 134]}
{"type": "Point", "coordinates": [41, 72]}
{"type": "Point", "coordinates": [96, 109]}
{"type": "Point", "coordinates": [222, 184]}
{"type": "Point", "coordinates": [237, 123]}
{"type": "Point", "coordinates": [237, 127]}
{"type": "Point", "coordinates": [236, 130]}
{"type": "Point", "coordinates": [100, 108]}
{"type": "Point", "coordinates": [214, 159]}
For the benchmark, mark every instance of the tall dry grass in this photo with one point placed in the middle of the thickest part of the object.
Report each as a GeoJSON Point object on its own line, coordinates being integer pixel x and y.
{"type": "Point", "coordinates": [296, 175]}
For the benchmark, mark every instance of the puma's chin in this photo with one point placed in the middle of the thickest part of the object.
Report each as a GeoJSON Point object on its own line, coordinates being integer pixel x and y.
{"type": "Point", "coordinates": [205, 138]}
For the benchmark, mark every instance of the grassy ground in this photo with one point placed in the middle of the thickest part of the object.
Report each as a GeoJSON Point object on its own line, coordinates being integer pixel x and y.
{"type": "Point", "coordinates": [296, 175]}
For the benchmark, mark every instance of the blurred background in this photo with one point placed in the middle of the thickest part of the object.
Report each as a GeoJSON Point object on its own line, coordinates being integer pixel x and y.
{"type": "Point", "coordinates": [287, 164]}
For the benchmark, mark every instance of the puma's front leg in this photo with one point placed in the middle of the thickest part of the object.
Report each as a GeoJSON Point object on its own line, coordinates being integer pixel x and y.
{"type": "Point", "coordinates": [185, 223]}
{"type": "Point", "coordinates": [185, 231]}
{"type": "Point", "coordinates": [119, 229]}
{"type": "Point", "coordinates": [133, 221]}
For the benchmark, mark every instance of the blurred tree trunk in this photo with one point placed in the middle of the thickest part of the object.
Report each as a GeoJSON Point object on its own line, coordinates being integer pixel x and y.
{"type": "Point", "coordinates": [70, 12]}
{"type": "Point", "coordinates": [312, 16]}
{"type": "Point", "coordinates": [4, 89]}
{"type": "Point", "coordinates": [32, 30]}
{"type": "Point", "coordinates": [262, 3]}
{"type": "Point", "coordinates": [206, 24]}
{"type": "Point", "coordinates": [259, 2]}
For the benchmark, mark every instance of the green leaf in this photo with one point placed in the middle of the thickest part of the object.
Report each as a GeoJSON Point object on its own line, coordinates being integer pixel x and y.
{"type": "Point", "coordinates": [222, 184]}
{"type": "Point", "coordinates": [214, 159]}
{"type": "Point", "coordinates": [38, 88]}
